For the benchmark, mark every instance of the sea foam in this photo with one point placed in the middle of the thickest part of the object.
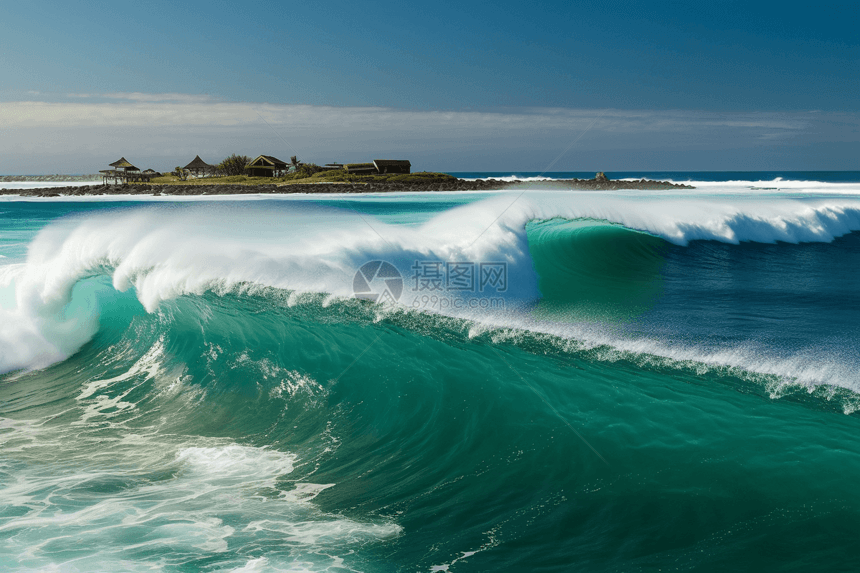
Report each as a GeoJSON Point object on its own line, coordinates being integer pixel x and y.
{"type": "Point", "coordinates": [167, 251]}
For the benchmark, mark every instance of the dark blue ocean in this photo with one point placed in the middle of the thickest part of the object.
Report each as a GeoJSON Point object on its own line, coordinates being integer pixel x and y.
{"type": "Point", "coordinates": [528, 379]}
{"type": "Point", "coordinates": [677, 176]}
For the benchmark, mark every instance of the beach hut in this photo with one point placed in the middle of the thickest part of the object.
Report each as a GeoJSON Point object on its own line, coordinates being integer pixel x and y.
{"type": "Point", "coordinates": [123, 164]}
{"type": "Point", "coordinates": [392, 166]}
{"type": "Point", "coordinates": [123, 172]}
{"type": "Point", "coordinates": [266, 166]}
{"type": "Point", "coordinates": [199, 167]}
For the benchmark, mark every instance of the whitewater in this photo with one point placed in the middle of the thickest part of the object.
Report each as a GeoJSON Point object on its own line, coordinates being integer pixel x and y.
{"type": "Point", "coordinates": [532, 379]}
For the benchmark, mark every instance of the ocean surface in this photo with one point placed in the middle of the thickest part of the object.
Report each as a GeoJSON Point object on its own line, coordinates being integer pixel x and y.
{"type": "Point", "coordinates": [522, 380]}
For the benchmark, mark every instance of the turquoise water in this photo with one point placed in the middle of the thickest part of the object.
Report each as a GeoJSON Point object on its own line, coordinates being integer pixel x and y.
{"type": "Point", "coordinates": [663, 382]}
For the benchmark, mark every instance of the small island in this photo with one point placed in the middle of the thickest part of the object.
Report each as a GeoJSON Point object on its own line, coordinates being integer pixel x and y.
{"type": "Point", "coordinates": [239, 174]}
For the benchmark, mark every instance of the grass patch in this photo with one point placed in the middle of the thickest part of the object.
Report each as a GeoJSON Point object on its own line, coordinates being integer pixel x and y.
{"type": "Point", "coordinates": [226, 180]}
{"type": "Point", "coordinates": [340, 175]}
{"type": "Point", "coordinates": [332, 176]}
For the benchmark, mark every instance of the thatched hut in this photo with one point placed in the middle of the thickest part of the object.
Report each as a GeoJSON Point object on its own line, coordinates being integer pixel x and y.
{"type": "Point", "coordinates": [123, 164]}
{"type": "Point", "coordinates": [266, 166]}
{"type": "Point", "coordinates": [123, 172]}
{"type": "Point", "coordinates": [199, 167]}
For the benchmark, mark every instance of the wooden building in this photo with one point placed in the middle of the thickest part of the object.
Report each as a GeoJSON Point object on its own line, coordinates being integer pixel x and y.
{"type": "Point", "coordinates": [123, 164]}
{"type": "Point", "coordinates": [199, 167]}
{"type": "Point", "coordinates": [266, 166]}
{"type": "Point", "coordinates": [123, 172]}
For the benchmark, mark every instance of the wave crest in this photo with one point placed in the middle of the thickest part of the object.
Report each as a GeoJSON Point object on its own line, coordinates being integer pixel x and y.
{"type": "Point", "coordinates": [48, 310]}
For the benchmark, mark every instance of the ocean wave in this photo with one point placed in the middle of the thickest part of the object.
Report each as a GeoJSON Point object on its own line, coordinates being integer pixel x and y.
{"type": "Point", "coordinates": [45, 184]}
{"type": "Point", "coordinates": [776, 184]}
{"type": "Point", "coordinates": [48, 310]}
{"type": "Point", "coordinates": [195, 497]}
{"type": "Point", "coordinates": [512, 178]}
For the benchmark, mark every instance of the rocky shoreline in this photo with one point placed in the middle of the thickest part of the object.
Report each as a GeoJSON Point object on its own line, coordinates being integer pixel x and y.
{"type": "Point", "coordinates": [49, 178]}
{"type": "Point", "coordinates": [598, 183]}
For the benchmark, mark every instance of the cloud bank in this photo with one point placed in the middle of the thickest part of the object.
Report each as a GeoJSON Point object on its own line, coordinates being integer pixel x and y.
{"type": "Point", "coordinates": [85, 131]}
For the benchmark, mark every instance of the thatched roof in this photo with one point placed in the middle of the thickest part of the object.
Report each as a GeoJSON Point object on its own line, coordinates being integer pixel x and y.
{"type": "Point", "coordinates": [267, 161]}
{"type": "Point", "coordinates": [197, 163]}
{"type": "Point", "coordinates": [124, 163]}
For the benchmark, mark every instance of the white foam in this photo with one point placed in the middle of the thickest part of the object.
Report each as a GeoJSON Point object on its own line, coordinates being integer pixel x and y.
{"type": "Point", "coordinates": [148, 364]}
{"type": "Point", "coordinates": [681, 219]}
{"type": "Point", "coordinates": [164, 251]}
{"type": "Point", "coordinates": [44, 184]}
{"type": "Point", "coordinates": [778, 185]}
{"type": "Point", "coordinates": [512, 178]}
{"type": "Point", "coordinates": [810, 369]}
{"type": "Point", "coordinates": [113, 501]}
{"type": "Point", "coordinates": [37, 331]}
{"type": "Point", "coordinates": [234, 464]}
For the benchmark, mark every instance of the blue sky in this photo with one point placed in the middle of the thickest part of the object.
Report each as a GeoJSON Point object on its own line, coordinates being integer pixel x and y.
{"type": "Point", "coordinates": [450, 85]}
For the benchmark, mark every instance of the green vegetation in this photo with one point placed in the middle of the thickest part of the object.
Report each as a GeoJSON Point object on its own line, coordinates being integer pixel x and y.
{"type": "Point", "coordinates": [340, 175]}
{"type": "Point", "coordinates": [306, 170]}
{"type": "Point", "coordinates": [234, 165]}
{"type": "Point", "coordinates": [310, 173]}
{"type": "Point", "coordinates": [226, 180]}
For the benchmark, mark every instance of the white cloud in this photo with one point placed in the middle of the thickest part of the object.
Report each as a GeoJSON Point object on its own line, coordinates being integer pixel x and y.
{"type": "Point", "coordinates": [164, 128]}
{"type": "Point", "coordinates": [137, 109]}
{"type": "Point", "coordinates": [139, 96]}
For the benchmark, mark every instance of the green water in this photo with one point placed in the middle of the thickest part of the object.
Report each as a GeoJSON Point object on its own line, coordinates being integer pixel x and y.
{"type": "Point", "coordinates": [655, 406]}
{"type": "Point", "coordinates": [518, 447]}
